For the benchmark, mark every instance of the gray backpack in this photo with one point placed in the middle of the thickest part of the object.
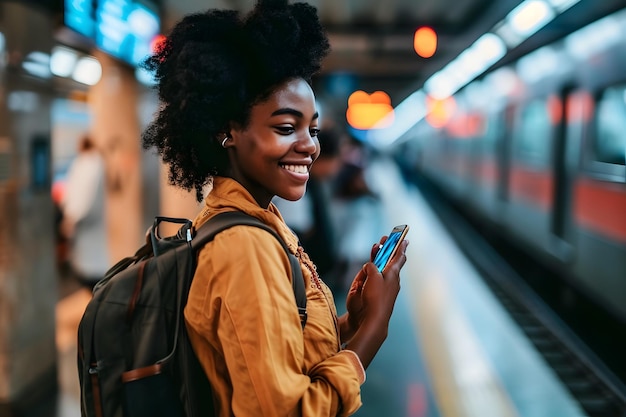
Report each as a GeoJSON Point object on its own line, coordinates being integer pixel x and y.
{"type": "Point", "coordinates": [134, 356]}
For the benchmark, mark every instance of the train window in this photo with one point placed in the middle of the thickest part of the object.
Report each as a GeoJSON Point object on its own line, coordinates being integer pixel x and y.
{"type": "Point", "coordinates": [533, 134]}
{"type": "Point", "coordinates": [609, 140]}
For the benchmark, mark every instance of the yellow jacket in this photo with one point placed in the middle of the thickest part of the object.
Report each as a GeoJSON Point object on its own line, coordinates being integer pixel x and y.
{"type": "Point", "coordinates": [244, 325]}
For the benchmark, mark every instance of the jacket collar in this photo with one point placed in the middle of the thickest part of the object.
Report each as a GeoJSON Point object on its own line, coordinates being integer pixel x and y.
{"type": "Point", "coordinates": [229, 195]}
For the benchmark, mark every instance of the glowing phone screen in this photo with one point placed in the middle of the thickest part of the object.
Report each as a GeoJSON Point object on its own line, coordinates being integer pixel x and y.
{"type": "Point", "coordinates": [384, 254]}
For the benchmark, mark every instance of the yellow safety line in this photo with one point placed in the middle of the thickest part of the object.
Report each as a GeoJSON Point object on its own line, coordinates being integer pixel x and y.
{"type": "Point", "coordinates": [463, 381]}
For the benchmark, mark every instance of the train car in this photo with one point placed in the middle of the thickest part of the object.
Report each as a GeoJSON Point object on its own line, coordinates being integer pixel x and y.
{"type": "Point", "coordinates": [536, 149]}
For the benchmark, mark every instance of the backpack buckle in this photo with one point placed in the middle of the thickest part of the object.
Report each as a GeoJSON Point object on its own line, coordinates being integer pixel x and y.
{"type": "Point", "coordinates": [303, 316]}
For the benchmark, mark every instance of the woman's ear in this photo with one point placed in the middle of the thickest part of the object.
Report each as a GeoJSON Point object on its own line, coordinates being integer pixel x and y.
{"type": "Point", "coordinates": [233, 132]}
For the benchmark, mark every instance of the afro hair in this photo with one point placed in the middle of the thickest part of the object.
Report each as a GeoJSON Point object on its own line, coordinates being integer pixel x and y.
{"type": "Point", "coordinates": [210, 71]}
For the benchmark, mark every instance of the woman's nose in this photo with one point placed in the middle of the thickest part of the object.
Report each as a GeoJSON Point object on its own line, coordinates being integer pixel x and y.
{"type": "Point", "coordinates": [308, 144]}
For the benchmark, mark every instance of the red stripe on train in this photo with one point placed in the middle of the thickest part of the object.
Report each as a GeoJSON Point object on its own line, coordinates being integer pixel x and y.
{"type": "Point", "coordinates": [601, 207]}
{"type": "Point", "coordinates": [597, 206]}
{"type": "Point", "coordinates": [531, 186]}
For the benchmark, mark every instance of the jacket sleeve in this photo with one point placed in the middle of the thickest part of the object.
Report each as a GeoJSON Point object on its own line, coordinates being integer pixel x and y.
{"type": "Point", "coordinates": [248, 314]}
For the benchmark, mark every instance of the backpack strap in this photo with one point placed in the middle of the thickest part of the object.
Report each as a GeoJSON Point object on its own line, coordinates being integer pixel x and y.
{"type": "Point", "coordinates": [223, 221]}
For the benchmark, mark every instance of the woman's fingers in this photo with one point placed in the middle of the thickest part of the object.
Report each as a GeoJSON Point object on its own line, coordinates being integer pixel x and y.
{"type": "Point", "coordinates": [399, 257]}
{"type": "Point", "coordinates": [376, 247]}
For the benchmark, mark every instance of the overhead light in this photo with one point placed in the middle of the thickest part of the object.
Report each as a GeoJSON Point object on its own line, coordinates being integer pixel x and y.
{"type": "Point", "coordinates": [63, 61]}
{"type": "Point", "coordinates": [439, 111]}
{"type": "Point", "coordinates": [88, 71]}
{"type": "Point", "coordinates": [489, 48]}
{"type": "Point", "coordinates": [407, 114]}
{"type": "Point", "coordinates": [522, 22]}
{"type": "Point", "coordinates": [369, 111]}
{"type": "Point", "coordinates": [440, 86]}
{"type": "Point", "coordinates": [425, 42]}
{"type": "Point", "coordinates": [38, 64]}
{"type": "Point", "coordinates": [530, 16]}
{"type": "Point", "coordinates": [472, 62]}
{"type": "Point", "coordinates": [507, 34]}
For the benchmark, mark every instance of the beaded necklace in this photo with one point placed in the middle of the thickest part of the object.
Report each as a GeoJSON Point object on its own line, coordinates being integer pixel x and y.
{"type": "Point", "coordinates": [316, 282]}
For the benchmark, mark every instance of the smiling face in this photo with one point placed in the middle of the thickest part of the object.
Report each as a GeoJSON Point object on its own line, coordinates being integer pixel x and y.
{"type": "Point", "coordinates": [273, 154]}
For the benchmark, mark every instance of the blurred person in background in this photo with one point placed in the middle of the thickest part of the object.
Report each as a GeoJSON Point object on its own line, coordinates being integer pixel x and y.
{"type": "Point", "coordinates": [83, 216]}
{"type": "Point", "coordinates": [311, 216]}
{"type": "Point", "coordinates": [358, 211]}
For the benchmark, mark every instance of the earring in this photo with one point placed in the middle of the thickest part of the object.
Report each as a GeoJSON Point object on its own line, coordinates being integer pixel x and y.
{"type": "Point", "coordinates": [226, 137]}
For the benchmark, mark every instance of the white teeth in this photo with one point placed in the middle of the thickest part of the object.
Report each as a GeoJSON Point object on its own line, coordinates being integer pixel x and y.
{"type": "Point", "coordinates": [300, 169]}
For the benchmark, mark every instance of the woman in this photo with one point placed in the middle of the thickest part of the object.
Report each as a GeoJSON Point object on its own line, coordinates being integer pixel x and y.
{"type": "Point", "coordinates": [238, 114]}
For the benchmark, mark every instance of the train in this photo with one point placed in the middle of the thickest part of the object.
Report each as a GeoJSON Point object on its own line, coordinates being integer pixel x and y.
{"type": "Point", "coordinates": [535, 150]}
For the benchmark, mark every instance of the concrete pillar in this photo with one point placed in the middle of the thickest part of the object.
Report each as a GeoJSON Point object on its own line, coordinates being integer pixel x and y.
{"type": "Point", "coordinates": [116, 128]}
{"type": "Point", "coordinates": [159, 197]}
{"type": "Point", "coordinates": [28, 278]}
{"type": "Point", "coordinates": [176, 202]}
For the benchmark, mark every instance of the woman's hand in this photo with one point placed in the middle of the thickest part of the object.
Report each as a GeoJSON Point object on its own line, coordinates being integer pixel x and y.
{"type": "Point", "coordinates": [372, 295]}
{"type": "Point", "coordinates": [354, 302]}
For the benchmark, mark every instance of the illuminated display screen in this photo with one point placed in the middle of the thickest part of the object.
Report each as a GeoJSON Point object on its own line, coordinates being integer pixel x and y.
{"type": "Point", "coordinates": [80, 16]}
{"type": "Point", "coordinates": [121, 28]}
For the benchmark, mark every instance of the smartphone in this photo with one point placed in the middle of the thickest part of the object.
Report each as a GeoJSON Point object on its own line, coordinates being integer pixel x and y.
{"type": "Point", "coordinates": [390, 246]}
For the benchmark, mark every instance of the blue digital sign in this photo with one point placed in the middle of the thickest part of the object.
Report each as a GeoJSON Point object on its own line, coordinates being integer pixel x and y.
{"type": "Point", "coordinates": [121, 28]}
{"type": "Point", "coordinates": [80, 17]}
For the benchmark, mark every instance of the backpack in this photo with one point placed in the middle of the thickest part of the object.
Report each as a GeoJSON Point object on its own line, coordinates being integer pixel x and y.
{"type": "Point", "coordinates": [134, 356]}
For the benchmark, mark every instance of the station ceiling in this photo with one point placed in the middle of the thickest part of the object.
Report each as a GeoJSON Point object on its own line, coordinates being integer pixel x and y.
{"type": "Point", "coordinates": [373, 39]}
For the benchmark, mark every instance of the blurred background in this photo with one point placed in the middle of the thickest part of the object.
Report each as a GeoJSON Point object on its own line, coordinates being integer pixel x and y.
{"type": "Point", "coordinates": [495, 128]}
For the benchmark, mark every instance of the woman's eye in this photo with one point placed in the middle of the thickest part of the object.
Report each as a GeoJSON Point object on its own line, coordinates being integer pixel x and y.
{"type": "Point", "coordinates": [314, 132]}
{"type": "Point", "coordinates": [285, 130]}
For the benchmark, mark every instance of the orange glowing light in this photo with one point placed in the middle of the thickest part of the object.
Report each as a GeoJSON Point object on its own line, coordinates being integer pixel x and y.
{"type": "Point", "coordinates": [425, 42]}
{"type": "Point", "coordinates": [369, 111]}
{"type": "Point", "coordinates": [440, 111]}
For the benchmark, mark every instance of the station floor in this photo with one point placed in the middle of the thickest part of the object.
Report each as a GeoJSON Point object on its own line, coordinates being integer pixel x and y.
{"type": "Point", "coordinates": [452, 350]}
